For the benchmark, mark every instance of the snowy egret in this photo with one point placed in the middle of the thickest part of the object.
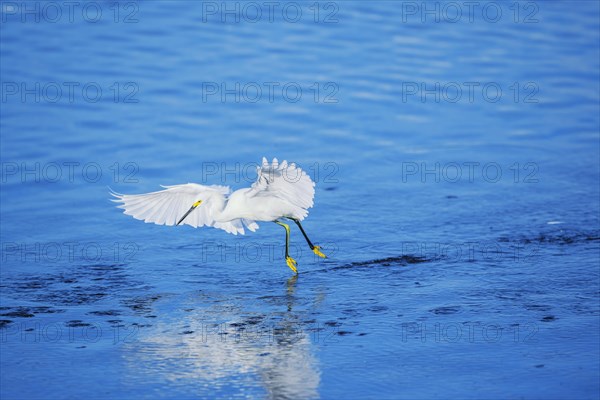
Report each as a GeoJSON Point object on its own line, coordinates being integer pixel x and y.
{"type": "Point", "coordinates": [282, 191]}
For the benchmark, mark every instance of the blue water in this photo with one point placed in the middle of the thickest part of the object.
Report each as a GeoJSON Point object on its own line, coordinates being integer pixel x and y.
{"type": "Point", "coordinates": [461, 220]}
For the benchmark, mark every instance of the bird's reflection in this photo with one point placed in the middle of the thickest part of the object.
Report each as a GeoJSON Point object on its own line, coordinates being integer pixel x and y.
{"type": "Point", "coordinates": [291, 288]}
{"type": "Point", "coordinates": [229, 342]}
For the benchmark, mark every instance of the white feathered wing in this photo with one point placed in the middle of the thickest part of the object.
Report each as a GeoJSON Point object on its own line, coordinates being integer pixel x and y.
{"type": "Point", "coordinates": [167, 206]}
{"type": "Point", "coordinates": [287, 182]}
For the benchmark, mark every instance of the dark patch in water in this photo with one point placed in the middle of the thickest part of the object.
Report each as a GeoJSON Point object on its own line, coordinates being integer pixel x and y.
{"type": "Point", "coordinates": [549, 318]}
{"type": "Point", "coordinates": [141, 305]}
{"type": "Point", "coordinates": [106, 313]}
{"type": "Point", "coordinates": [5, 323]}
{"type": "Point", "coordinates": [381, 262]}
{"type": "Point", "coordinates": [401, 260]}
{"type": "Point", "coordinates": [254, 320]}
{"type": "Point", "coordinates": [445, 310]}
{"type": "Point", "coordinates": [378, 308]}
{"type": "Point", "coordinates": [105, 267]}
{"type": "Point", "coordinates": [540, 366]}
{"type": "Point", "coordinates": [187, 332]}
{"type": "Point", "coordinates": [560, 237]}
{"type": "Point", "coordinates": [19, 312]}
{"type": "Point", "coordinates": [77, 286]}
{"type": "Point", "coordinates": [332, 323]}
{"type": "Point", "coordinates": [46, 310]}
{"type": "Point", "coordinates": [451, 196]}
{"type": "Point", "coordinates": [76, 323]}
{"type": "Point", "coordinates": [343, 333]}
{"type": "Point", "coordinates": [33, 285]}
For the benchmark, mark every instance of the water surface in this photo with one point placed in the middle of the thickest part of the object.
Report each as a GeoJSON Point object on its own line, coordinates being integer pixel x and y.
{"type": "Point", "coordinates": [462, 231]}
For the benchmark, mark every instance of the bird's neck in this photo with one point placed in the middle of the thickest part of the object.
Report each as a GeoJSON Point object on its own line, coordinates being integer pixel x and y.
{"type": "Point", "coordinates": [229, 209]}
{"type": "Point", "coordinates": [218, 209]}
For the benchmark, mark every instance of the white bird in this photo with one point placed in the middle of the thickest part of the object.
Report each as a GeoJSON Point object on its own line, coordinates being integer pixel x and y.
{"type": "Point", "coordinates": [281, 191]}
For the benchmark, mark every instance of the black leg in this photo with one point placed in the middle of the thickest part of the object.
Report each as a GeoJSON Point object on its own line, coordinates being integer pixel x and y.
{"type": "Point", "coordinates": [315, 249]}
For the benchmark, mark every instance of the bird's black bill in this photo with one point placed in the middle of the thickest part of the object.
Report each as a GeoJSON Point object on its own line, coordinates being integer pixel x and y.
{"type": "Point", "coordinates": [192, 208]}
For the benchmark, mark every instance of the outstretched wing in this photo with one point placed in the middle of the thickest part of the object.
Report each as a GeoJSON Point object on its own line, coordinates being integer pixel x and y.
{"type": "Point", "coordinates": [167, 206]}
{"type": "Point", "coordinates": [287, 182]}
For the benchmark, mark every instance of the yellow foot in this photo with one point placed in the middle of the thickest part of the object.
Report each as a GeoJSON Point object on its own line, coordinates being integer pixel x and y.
{"type": "Point", "coordinates": [317, 251]}
{"type": "Point", "coordinates": [292, 264]}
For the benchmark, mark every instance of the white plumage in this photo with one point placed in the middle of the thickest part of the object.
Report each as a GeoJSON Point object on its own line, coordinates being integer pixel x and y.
{"type": "Point", "coordinates": [281, 190]}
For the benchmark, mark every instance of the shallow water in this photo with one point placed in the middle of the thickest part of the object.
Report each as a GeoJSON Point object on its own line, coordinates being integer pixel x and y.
{"type": "Point", "coordinates": [462, 232]}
